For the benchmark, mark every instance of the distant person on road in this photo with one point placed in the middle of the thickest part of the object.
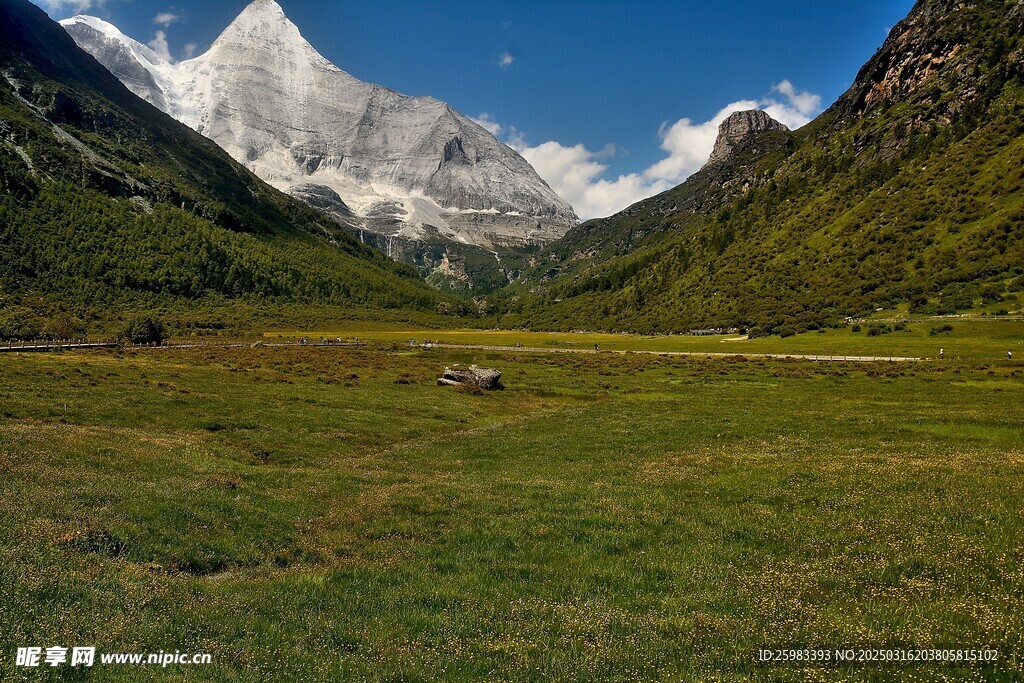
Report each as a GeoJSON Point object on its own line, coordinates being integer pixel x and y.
{"type": "Point", "coordinates": [1009, 355]}
{"type": "Point", "coordinates": [942, 353]}
{"type": "Point", "coordinates": [596, 347]}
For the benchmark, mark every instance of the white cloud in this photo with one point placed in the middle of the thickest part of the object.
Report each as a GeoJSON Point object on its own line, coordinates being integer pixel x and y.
{"type": "Point", "coordinates": [487, 122]}
{"type": "Point", "coordinates": [804, 102]}
{"type": "Point", "coordinates": [159, 41]}
{"type": "Point", "coordinates": [64, 7]}
{"type": "Point", "coordinates": [165, 19]}
{"type": "Point", "coordinates": [159, 46]}
{"type": "Point", "coordinates": [577, 174]}
{"type": "Point", "coordinates": [190, 50]}
{"type": "Point", "coordinates": [506, 60]}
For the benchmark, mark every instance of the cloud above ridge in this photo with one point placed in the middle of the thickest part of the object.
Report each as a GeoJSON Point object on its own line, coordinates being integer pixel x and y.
{"type": "Point", "coordinates": [578, 174]}
{"type": "Point", "coordinates": [159, 45]}
{"type": "Point", "coordinates": [165, 19]}
{"type": "Point", "coordinates": [487, 122]}
{"type": "Point", "coordinates": [60, 8]}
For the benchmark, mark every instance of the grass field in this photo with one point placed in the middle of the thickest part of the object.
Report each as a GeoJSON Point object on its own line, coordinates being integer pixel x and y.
{"type": "Point", "coordinates": [321, 514]}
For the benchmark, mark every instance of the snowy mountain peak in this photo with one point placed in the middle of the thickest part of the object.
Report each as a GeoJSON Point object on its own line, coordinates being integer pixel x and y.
{"type": "Point", "coordinates": [406, 166]}
{"type": "Point", "coordinates": [264, 28]}
{"type": "Point", "coordinates": [104, 27]}
{"type": "Point", "coordinates": [264, 6]}
{"type": "Point", "coordinates": [263, 19]}
{"type": "Point", "coordinates": [139, 67]}
{"type": "Point", "coordinates": [112, 33]}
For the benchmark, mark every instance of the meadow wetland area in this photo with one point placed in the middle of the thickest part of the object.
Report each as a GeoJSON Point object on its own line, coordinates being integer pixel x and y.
{"type": "Point", "coordinates": [331, 513]}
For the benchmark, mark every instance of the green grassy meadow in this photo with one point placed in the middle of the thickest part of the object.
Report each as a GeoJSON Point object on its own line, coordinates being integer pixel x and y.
{"type": "Point", "coordinates": [322, 514]}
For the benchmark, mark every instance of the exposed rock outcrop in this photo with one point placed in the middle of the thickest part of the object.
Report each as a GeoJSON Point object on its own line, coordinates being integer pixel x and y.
{"type": "Point", "coordinates": [943, 60]}
{"type": "Point", "coordinates": [483, 378]}
{"type": "Point", "coordinates": [325, 199]}
{"type": "Point", "coordinates": [739, 126]}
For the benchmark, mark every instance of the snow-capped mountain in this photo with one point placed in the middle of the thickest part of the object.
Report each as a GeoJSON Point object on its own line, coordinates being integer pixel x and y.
{"type": "Point", "coordinates": [394, 164]}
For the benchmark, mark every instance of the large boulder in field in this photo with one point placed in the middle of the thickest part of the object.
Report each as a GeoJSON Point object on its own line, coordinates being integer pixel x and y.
{"type": "Point", "coordinates": [485, 378]}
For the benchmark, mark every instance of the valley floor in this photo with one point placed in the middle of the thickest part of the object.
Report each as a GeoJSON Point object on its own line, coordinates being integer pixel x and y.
{"type": "Point", "coordinates": [977, 339]}
{"type": "Point", "coordinates": [326, 514]}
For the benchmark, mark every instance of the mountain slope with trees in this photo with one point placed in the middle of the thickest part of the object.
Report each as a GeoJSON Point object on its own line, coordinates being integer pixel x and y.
{"type": "Point", "coordinates": [907, 191]}
{"type": "Point", "coordinates": [107, 204]}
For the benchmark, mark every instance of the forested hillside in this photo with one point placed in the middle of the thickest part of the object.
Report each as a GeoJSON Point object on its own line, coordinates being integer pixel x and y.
{"type": "Point", "coordinates": [908, 190]}
{"type": "Point", "coordinates": [107, 205]}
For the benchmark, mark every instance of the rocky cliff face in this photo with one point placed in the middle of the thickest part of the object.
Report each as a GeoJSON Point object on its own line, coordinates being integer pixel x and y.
{"type": "Point", "coordinates": [402, 166]}
{"type": "Point", "coordinates": [738, 127]}
{"type": "Point", "coordinates": [942, 59]}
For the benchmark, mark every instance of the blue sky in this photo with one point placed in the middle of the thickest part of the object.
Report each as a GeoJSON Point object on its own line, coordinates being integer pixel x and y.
{"type": "Point", "coordinates": [610, 100]}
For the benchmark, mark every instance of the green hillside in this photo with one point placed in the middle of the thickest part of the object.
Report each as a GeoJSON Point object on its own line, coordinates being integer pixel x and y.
{"type": "Point", "coordinates": [108, 205]}
{"type": "Point", "coordinates": [907, 191]}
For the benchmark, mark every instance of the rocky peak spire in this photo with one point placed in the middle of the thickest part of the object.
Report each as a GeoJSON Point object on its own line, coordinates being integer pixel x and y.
{"type": "Point", "coordinates": [262, 20]}
{"type": "Point", "coordinates": [737, 127]}
{"type": "Point", "coordinates": [264, 34]}
{"type": "Point", "coordinates": [263, 11]}
{"type": "Point", "coordinates": [264, 6]}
